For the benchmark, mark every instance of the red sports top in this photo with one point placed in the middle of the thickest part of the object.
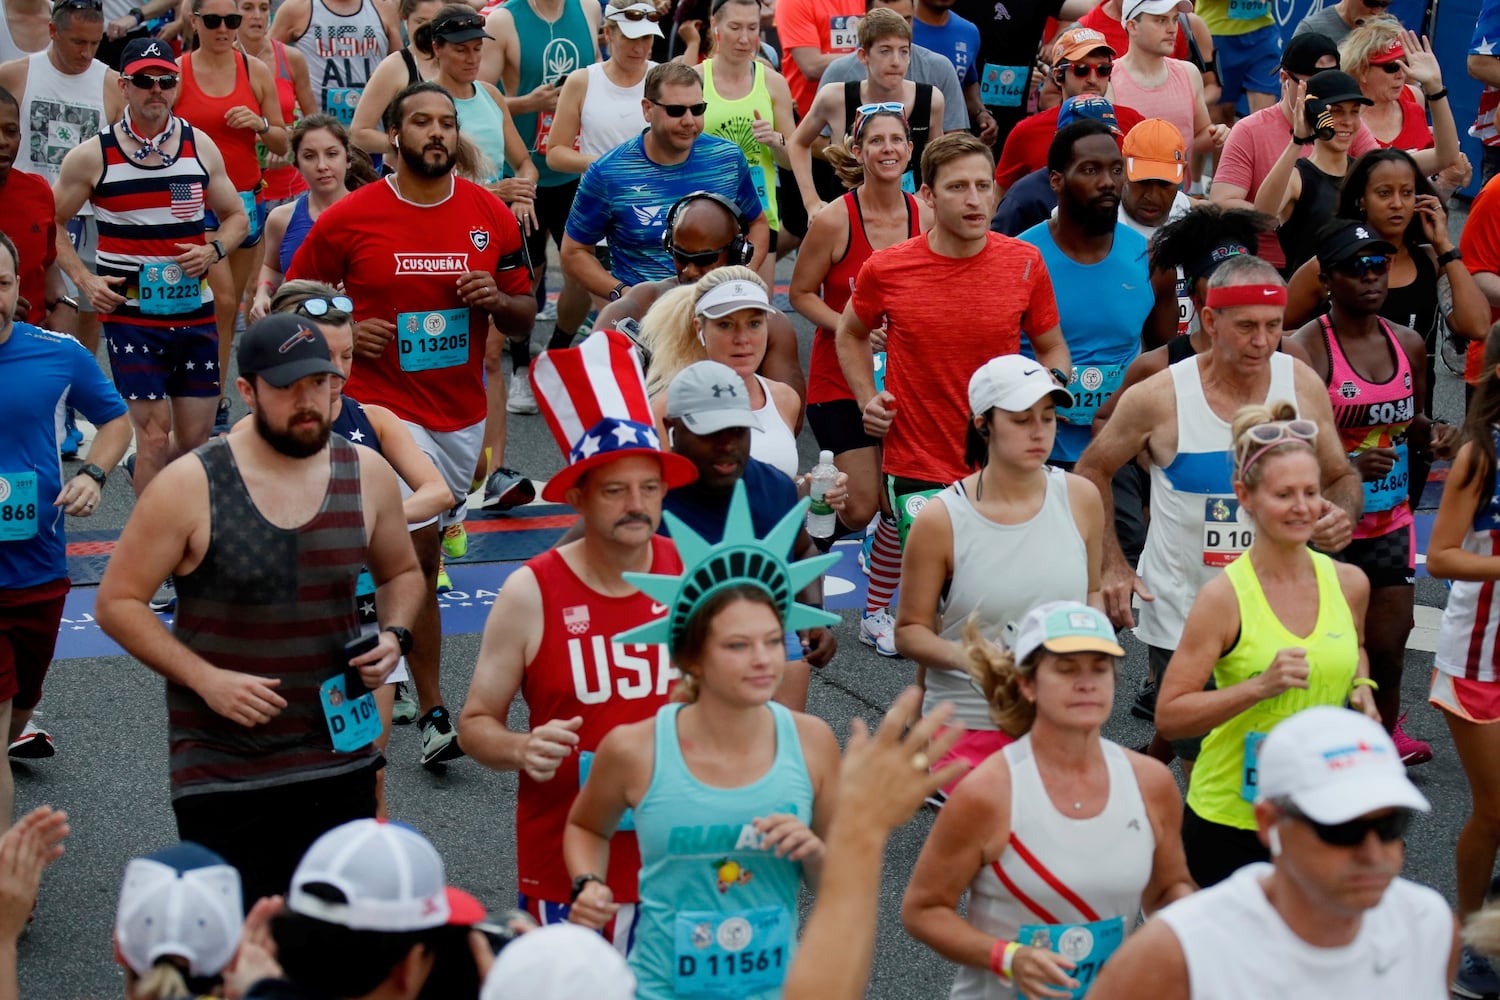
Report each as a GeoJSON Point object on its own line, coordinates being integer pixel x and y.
{"type": "Point", "coordinates": [578, 671]}
{"type": "Point", "coordinates": [400, 262]}
{"type": "Point", "coordinates": [1415, 132]}
{"type": "Point", "coordinates": [236, 145]}
{"type": "Point", "coordinates": [825, 379]}
{"type": "Point", "coordinates": [30, 223]}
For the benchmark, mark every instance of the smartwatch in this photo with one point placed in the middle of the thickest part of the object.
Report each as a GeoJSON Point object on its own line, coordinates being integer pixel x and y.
{"type": "Point", "coordinates": [218, 249]}
{"type": "Point", "coordinates": [93, 472]}
{"type": "Point", "coordinates": [403, 638]}
{"type": "Point", "coordinates": [617, 291]}
{"type": "Point", "coordinates": [580, 882]}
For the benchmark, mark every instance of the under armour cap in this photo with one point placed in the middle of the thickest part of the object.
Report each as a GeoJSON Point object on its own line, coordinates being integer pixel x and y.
{"type": "Point", "coordinates": [1065, 627]}
{"type": "Point", "coordinates": [1335, 765]}
{"type": "Point", "coordinates": [1013, 383]}
{"type": "Point", "coordinates": [1343, 242]}
{"type": "Point", "coordinates": [732, 296]}
{"type": "Point", "coordinates": [182, 902]}
{"type": "Point", "coordinates": [709, 397]}
{"type": "Point", "coordinates": [1135, 8]}
{"type": "Point", "coordinates": [283, 348]}
{"type": "Point", "coordinates": [559, 962]}
{"type": "Point", "coordinates": [372, 875]}
{"type": "Point", "coordinates": [147, 53]}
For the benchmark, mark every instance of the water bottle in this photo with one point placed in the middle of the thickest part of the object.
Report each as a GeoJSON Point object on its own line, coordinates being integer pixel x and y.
{"type": "Point", "coordinates": [820, 516]}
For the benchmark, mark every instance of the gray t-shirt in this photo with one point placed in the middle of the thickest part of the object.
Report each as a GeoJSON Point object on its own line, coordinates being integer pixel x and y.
{"type": "Point", "coordinates": [1325, 22]}
{"type": "Point", "coordinates": [926, 67]}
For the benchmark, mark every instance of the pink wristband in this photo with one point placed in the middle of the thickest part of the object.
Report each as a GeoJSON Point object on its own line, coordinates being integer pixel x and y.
{"type": "Point", "coordinates": [1002, 955]}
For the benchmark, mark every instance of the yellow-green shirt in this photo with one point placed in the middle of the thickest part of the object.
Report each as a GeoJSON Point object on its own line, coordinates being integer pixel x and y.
{"type": "Point", "coordinates": [1235, 17]}
{"type": "Point", "coordinates": [735, 121]}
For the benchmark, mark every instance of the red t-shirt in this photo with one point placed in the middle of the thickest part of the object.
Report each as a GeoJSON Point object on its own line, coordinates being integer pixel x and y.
{"type": "Point", "coordinates": [1026, 148]}
{"type": "Point", "coordinates": [400, 262]}
{"type": "Point", "coordinates": [577, 671]}
{"type": "Point", "coordinates": [945, 317]}
{"type": "Point", "coordinates": [825, 25]}
{"type": "Point", "coordinates": [1480, 245]}
{"type": "Point", "coordinates": [30, 222]}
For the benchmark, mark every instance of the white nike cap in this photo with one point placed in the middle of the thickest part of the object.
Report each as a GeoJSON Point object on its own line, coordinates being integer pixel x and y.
{"type": "Point", "coordinates": [1013, 383]}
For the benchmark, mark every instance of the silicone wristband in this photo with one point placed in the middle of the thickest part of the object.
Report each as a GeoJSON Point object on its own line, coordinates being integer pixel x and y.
{"type": "Point", "coordinates": [1002, 956]}
{"type": "Point", "coordinates": [1009, 960]}
{"type": "Point", "coordinates": [1364, 682]}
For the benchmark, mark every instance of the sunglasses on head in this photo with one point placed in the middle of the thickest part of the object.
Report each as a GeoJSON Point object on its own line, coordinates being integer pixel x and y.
{"type": "Point", "coordinates": [1388, 828]}
{"type": "Point", "coordinates": [635, 15]}
{"type": "Point", "coordinates": [214, 21]}
{"type": "Point", "coordinates": [870, 109]}
{"type": "Point", "coordinates": [320, 307]}
{"type": "Point", "coordinates": [1083, 70]}
{"type": "Point", "coordinates": [1277, 431]}
{"type": "Point", "coordinates": [145, 81]}
{"type": "Point", "coordinates": [678, 110]}
{"type": "Point", "coordinates": [77, 5]}
{"type": "Point", "coordinates": [1365, 266]}
{"type": "Point", "coordinates": [702, 258]}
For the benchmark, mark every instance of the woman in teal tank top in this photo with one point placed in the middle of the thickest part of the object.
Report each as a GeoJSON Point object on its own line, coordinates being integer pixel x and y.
{"type": "Point", "coordinates": [1282, 629]}
{"type": "Point", "coordinates": [729, 793]}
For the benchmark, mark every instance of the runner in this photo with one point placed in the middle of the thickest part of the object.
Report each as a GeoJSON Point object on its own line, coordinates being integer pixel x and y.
{"type": "Point", "coordinates": [596, 109]}
{"type": "Point", "coordinates": [1462, 550]}
{"type": "Point", "coordinates": [936, 27]}
{"type": "Point", "coordinates": [397, 71]}
{"type": "Point", "coordinates": [1398, 71]}
{"type": "Point", "coordinates": [1010, 36]}
{"type": "Point", "coordinates": [1329, 915]}
{"type": "Point", "coordinates": [926, 66]}
{"type": "Point", "coordinates": [31, 223]}
{"type": "Point", "coordinates": [1247, 46]}
{"type": "Point", "coordinates": [281, 181]}
{"type": "Point", "coordinates": [1062, 837]}
{"type": "Point", "coordinates": [426, 250]}
{"type": "Point", "coordinates": [1280, 629]}
{"type": "Point", "coordinates": [729, 794]}
{"type": "Point", "coordinates": [343, 41]}
{"type": "Point", "coordinates": [254, 527]}
{"type": "Point", "coordinates": [177, 928]}
{"type": "Point", "coordinates": [152, 178]}
{"type": "Point", "coordinates": [1337, 20]}
{"type": "Point", "coordinates": [1031, 199]}
{"type": "Point", "coordinates": [41, 369]}
{"type": "Point", "coordinates": [1014, 511]}
{"type": "Point", "coordinates": [813, 33]}
{"type": "Point", "coordinates": [932, 350]}
{"type": "Point", "coordinates": [566, 606]}
{"type": "Point", "coordinates": [23, 29]}
{"type": "Point", "coordinates": [1151, 80]}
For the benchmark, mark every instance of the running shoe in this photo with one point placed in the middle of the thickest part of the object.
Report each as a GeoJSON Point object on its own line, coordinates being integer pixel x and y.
{"type": "Point", "coordinates": [32, 744]}
{"type": "Point", "coordinates": [1412, 751]}
{"type": "Point", "coordinates": [548, 312]}
{"type": "Point", "coordinates": [455, 540]}
{"type": "Point", "coordinates": [129, 466]}
{"type": "Point", "coordinates": [165, 598]}
{"type": "Point", "coordinates": [507, 488]}
{"type": "Point", "coordinates": [444, 581]}
{"type": "Point", "coordinates": [1476, 979]}
{"type": "Point", "coordinates": [221, 418]}
{"type": "Point", "coordinates": [878, 629]}
{"type": "Point", "coordinates": [1144, 706]}
{"type": "Point", "coordinates": [867, 549]}
{"type": "Point", "coordinates": [439, 737]}
{"type": "Point", "coordinates": [72, 436]}
{"type": "Point", "coordinates": [405, 711]}
{"type": "Point", "coordinates": [518, 394]}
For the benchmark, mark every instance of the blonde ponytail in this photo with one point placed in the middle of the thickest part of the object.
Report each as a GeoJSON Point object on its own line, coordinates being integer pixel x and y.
{"type": "Point", "coordinates": [998, 676]}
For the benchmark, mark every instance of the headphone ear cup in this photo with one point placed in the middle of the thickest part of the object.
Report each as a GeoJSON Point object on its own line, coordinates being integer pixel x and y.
{"type": "Point", "coordinates": [666, 238]}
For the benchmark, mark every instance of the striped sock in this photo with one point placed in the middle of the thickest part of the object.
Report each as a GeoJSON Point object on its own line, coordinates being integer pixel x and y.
{"type": "Point", "coordinates": [885, 565]}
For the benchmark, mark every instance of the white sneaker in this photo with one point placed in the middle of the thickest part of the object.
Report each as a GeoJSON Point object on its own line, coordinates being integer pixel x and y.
{"type": "Point", "coordinates": [878, 629]}
{"type": "Point", "coordinates": [519, 396]}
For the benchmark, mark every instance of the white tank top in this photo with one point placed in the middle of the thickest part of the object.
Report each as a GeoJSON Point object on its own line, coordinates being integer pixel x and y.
{"type": "Point", "coordinates": [58, 111]}
{"type": "Point", "coordinates": [8, 48]}
{"type": "Point", "coordinates": [773, 441]}
{"type": "Point", "coordinates": [1068, 870]}
{"type": "Point", "coordinates": [1196, 527]}
{"type": "Point", "coordinates": [1056, 561]}
{"type": "Point", "coordinates": [1470, 634]}
{"type": "Point", "coordinates": [610, 114]}
{"type": "Point", "coordinates": [342, 50]}
{"type": "Point", "coordinates": [1237, 946]}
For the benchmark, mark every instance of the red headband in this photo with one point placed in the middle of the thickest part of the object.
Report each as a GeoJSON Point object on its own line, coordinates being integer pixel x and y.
{"type": "Point", "coordinates": [1246, 295]}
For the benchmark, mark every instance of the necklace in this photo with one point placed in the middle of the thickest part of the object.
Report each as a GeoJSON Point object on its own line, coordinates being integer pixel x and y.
{"type": "Point", "coordinates": [1077, 805]}
{"type": "Point", "coordinates": [149, 146]}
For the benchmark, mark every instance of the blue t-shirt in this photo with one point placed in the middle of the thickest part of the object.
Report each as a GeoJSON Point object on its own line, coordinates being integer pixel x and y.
{"type": "Point", "coordinates": [770, 492]}
{"type": "Point", "coordinates": [40, 370]}
{"type": "Point", "coordinates": [1101, 308]}
{"type": "Point", "coordinates": [957, 41]}
{"type": "Point", "coordinates": [624, 197]}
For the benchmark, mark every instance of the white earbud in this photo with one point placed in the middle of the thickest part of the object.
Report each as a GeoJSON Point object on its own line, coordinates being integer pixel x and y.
{"type": "Point", "coordinates": [1275, 838]}
{"type": "Point", "coordinates": [671, 437]}
{"type": "Point", "coordinates": [701, 338]}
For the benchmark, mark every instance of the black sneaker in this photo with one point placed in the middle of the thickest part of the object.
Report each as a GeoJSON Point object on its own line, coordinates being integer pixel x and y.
{"type": "Point", "coordinates": [507, 488]}
{"type": "Point", "coordinates": [439, 737]}
{"type": "Point", "coordinates": [165, 598]}
{"type": "Point", "coordinates": [221, 418]}
{"type": "Point", "coordinates": [1144, 706]}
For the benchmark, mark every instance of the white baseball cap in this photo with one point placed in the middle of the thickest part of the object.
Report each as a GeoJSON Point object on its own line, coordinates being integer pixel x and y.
{"type": "Point", "coordinates": [1335, 765]}
{"type": "Point", "coordinates": [1013, 383]}
{"type": "Point", "coordinates": [559, 962]}
{"type": "Point", "coordinates": [640, 26]}
{"type": "Point", "coordinates": [732, 296]}
{"type": "Point", "coordinates": [1065, 627]}
{"type": "Point", "coordinates": [1132, 8]}
{"type": "Point", "coordinates": [183, 901]}
{"type": "Point", "coordinates": [381, 876]}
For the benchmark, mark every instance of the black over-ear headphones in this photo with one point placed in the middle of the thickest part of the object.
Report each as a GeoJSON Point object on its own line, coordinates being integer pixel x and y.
{"type": "Point", "coordinates": [740, 249]}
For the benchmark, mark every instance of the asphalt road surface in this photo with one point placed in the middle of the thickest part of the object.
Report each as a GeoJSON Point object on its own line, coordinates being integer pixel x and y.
{"type": "Point", "coordinates": [109, 719]}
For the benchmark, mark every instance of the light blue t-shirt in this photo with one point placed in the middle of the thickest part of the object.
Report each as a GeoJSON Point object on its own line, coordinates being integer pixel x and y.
{"type": "Point", "coordinates": [957, 41]}
{"type": "Point", "coordinates": [1102, 308]}
{"type": "Point", "coordinates": [624, 196]}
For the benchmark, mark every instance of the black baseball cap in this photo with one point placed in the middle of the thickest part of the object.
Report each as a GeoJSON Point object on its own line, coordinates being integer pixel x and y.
{"type": "Point", "coordinates": [1301, 54]}
{"type": "Point", "coordinates": [459, 26]}
{"type": "Point", "coordinates": [1334, 85]}
{"type": "Point", "coordinates": [282, 348]}
{"type": "Point", "coordinates": [1341, 241]}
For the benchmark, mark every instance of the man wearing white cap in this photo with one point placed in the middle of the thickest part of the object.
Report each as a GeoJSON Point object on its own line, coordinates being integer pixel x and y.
{"type": "Point", "coordinates": [1329, 916]}
{"type": "Point", "coordinates": [1148, 79]}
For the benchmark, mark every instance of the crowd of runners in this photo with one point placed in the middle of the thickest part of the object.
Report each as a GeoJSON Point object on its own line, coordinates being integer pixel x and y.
{"type": "Point", "coordinates": [1127, 317]}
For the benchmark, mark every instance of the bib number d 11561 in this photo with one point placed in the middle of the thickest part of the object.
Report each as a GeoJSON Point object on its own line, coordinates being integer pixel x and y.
{"type": "Point", "coordinates": [731, 955]}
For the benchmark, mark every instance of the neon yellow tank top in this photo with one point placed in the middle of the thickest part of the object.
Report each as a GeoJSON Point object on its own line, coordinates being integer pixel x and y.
{"type": "Point", "coordinates": [1223, 786]}
{"type": "Point", "coordinates": [734, 120]}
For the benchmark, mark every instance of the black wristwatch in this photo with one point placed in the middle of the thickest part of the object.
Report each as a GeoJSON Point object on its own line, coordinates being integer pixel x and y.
{"type": "Point", "coordinates": [617, 291]}
{"type": "Point", "coordinates": [403, 637]}
{"type": "Point", "coordinates": [218, 249]}
{"type": "Point", "coordinates": [138, 14]}
{"type": "Point", "coordinates": [1448, 257]}
{"type": "Point", "coordinates": [580, 882]}
{"type": "Point", "coordinates": [1062, 378]}
{"type": "Point", "coordinates": [93, 472]}
{"type": "Point", "coordinates": [1304, 140]}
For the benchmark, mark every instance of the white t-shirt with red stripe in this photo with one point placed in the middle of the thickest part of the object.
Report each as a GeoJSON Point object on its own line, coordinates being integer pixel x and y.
{"type": "Point", "coordinates": [1471, 620]}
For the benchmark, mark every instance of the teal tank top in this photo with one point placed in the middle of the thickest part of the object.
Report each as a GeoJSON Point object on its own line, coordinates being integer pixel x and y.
{"type": "Point", "coordinates": [549, 51]}
{"type": "Point", "coordinates": [483, 122]}
{"type": "Point", "coordinates": [717, 915]}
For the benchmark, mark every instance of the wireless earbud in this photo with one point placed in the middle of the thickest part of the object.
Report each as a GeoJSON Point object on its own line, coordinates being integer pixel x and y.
{"type": "Point", "coordinates": [1275, 838]}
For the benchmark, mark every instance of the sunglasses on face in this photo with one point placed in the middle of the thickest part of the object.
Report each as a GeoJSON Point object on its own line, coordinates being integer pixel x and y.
{"type": "Point", "coordinates": [1388, 828]}
{"type": "Point", "coordinates": [700, 258]}
{"type": "Point", "coordinates": [634, 15]}
{"type": "Point", "coordinates": [145, 81]}
{"type": "Point", "coordinates": [1082, 70]}
{"type": "Point", "coordinates": [214, 21]}
{"type": "Point", "coordinates": [320, 307]}
{"type": "Point", "coordinates": [1391, 67]}
{"type": "Point", "coordinates": [678, 110]}
{"type": "Point", "coordinates": [1362, 267]}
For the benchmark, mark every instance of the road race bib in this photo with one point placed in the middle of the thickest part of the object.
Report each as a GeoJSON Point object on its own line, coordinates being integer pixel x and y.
{"type": "Point", "coordinates": [353, 721]}
{"type": "Point", "coordinates": [1091, 386]}
{"type": "Point", "coordinates": [880, 371]}
{"type": "Point", "coordinates": [364, 598]}
{"type": "Point", "coordinates": [247, 198]}
{"type": "Point", "coordinates": [1088, 946]}
{"type": "Point", "coordinates": [1390, 490]}
{"type": "Point", "coordinates": [843, 33]}
{"type": "Point", "coordinates": [166, 290]}
{"type": "Point", "coordinates": [1248, 10]}
{"type": "Point", "coordinates": [1185, 308]}
{"type": "Point", "coordinates": [1225, 534]}
{"type": "Point", "coordinates": [1003, 86]}
{"type": "Point", "coordinates": [432, 340]}
{"type": "Point", "coordinates": [731, 954]}
{"type": "Point", "coordinates": [1251, 780]}
{"type": "Point", "coordinates": [586, 764]}
{"type": "Point", "coordinates": [18, 520]}
{"type": "Point", "coordinates": [340, 102]}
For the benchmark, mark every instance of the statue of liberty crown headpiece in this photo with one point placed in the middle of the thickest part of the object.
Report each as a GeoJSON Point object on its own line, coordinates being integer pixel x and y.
{"type": "Point", "coordinates": [739, 558]}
